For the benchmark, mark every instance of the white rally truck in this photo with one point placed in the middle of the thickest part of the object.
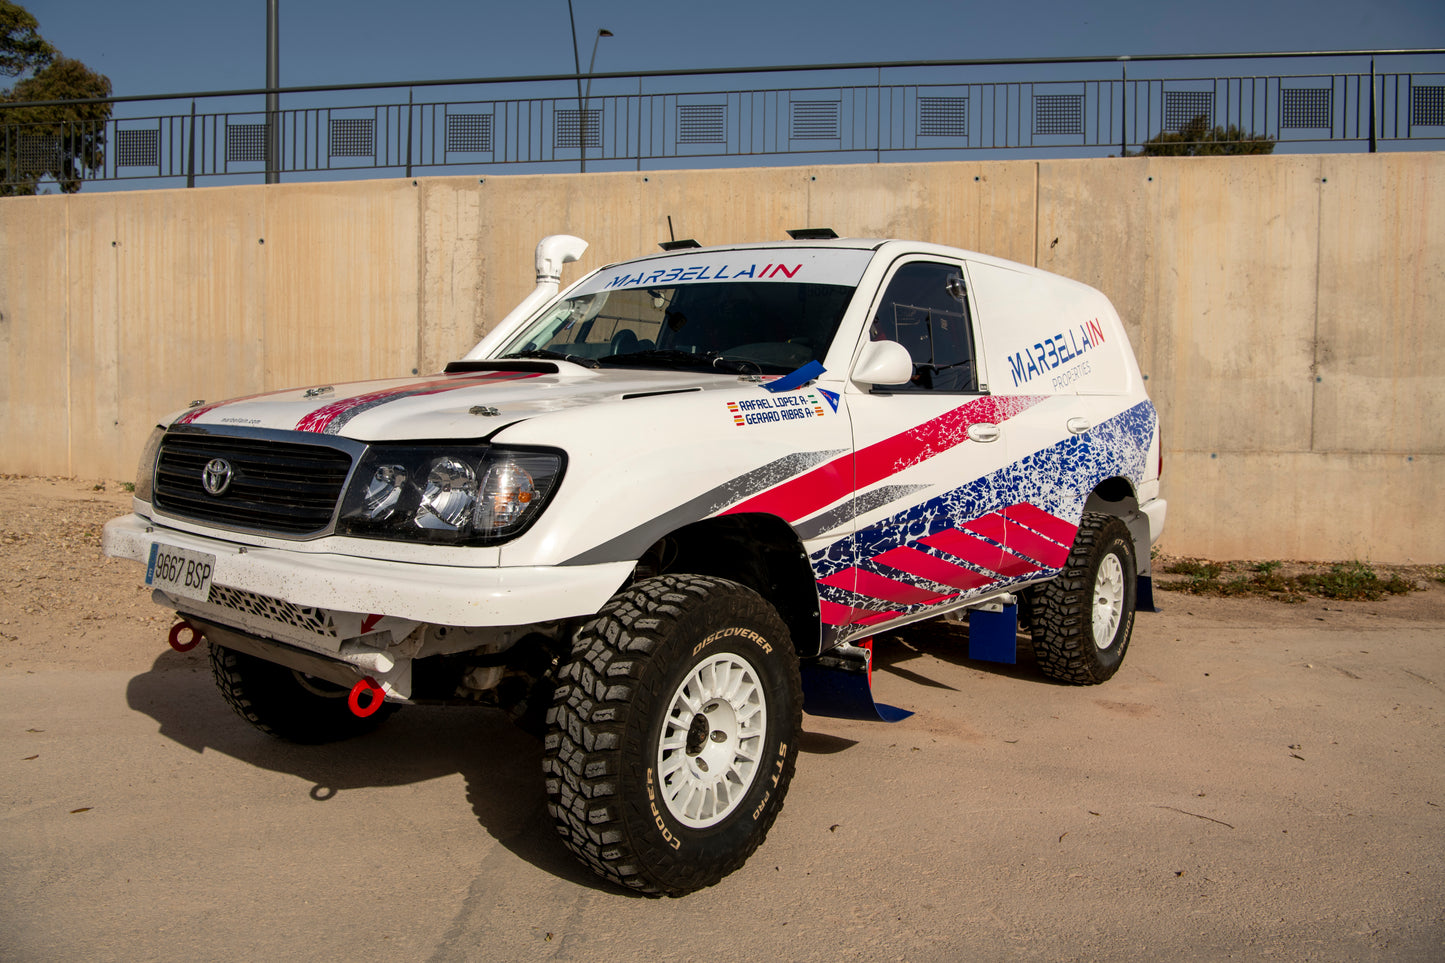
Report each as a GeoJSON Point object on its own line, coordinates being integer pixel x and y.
{"type": "Point", "coordinates": [661, 512]}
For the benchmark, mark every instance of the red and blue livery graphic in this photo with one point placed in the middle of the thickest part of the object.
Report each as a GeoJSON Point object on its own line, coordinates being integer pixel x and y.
{"type": "Point", "coordinates": [1010, 527]}
{"type": "Point", "coordinates": [330, 418]}
{"type": "Point", "coordinates": [814, 490]}
{"type": "Point", "coordinates": [1038, 542]}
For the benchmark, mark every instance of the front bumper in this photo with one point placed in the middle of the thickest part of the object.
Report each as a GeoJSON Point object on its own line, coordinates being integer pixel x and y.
{"type": "Point", "coordinates": [436, 594]}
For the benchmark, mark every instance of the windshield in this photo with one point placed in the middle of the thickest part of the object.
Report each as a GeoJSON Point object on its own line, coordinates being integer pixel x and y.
{"type": "Point", "coordinates": [734, 317]}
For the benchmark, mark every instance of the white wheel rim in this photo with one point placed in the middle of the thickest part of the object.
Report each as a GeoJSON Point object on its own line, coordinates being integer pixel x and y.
{"type": "Point", "coordinates": [712, 740]}
{"type": "Point", "coordinates": [1108, 600]}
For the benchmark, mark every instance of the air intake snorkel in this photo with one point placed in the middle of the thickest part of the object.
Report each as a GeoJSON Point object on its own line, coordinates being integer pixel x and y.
{"type": "Point", "coordinates": [553, 251]}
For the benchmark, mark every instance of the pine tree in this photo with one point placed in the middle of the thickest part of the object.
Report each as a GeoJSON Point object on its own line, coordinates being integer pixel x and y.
{"type": "Point", "coordinates": [64, 142]}
{"type": "Point", "coordinates": [1197, 139]}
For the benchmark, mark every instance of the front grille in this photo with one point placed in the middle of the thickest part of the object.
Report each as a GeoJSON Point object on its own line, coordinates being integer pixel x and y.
{"type": "Point", "coordinates": [276, 486]}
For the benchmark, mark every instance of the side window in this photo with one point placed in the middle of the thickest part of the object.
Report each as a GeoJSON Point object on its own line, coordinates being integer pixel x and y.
{"type": "Point", "coordinates": [925, 310]}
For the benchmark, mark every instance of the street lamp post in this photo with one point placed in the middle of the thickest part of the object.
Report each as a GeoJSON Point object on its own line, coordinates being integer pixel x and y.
{"type": "Point", "coordinates": [273, 99]}
{"type": "Point", "coordinates": [581, 100]}
{"type": "Point", "coordinates": [587, 100]}
{"type": "Point", "coordinates": [577, 66]}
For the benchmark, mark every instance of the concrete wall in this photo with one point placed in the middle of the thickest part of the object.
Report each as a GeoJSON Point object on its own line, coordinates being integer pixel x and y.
{"type": "Point", "coordinates": [1284, 308]}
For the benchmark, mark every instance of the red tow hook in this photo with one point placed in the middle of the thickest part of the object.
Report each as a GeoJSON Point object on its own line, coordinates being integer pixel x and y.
{"type": "Point", "coordinates": [375, 695]}
{"type": "Point", "coordinates": [175, 636]}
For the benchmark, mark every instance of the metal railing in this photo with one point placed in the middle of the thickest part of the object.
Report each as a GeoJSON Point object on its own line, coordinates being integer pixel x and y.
{"type": "Point", "coordinates": [871, 112]}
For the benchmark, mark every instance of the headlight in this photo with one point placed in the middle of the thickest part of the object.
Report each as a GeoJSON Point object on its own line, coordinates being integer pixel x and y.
{"type": "Point", "coordinates": [383, 491]}
{"type": "Point", "coordinates": [145, 472]}
{"type": "Point", "coordinates": [458, 496]}
{"type": "Point", "coordinates": [450, 496]}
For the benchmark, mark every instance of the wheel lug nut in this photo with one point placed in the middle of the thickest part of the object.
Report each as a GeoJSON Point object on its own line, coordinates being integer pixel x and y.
{"type": "Point", "coordinates": [719, 736]}
{"type": "Point", "coordinates": [702, 764]}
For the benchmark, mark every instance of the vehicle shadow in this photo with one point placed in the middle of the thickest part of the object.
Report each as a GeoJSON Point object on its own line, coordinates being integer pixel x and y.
{"type": "Point", "coordinates": [500, 764]}
{"type": "Point", "coordinates": [946, 642]}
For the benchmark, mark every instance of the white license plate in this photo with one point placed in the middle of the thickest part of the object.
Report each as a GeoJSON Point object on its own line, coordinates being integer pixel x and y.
{"type": "Point", "coordinates": [180, 571]}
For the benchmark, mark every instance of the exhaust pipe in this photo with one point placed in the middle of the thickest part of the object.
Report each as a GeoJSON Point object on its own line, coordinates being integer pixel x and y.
{"type": "Point", "coordinates": [175, 637]}
{"type": "Point", "coordinates": [553, 251]}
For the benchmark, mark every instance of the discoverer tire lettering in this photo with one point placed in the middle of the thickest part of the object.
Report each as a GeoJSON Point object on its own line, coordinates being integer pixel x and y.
{"type": "Point", "coordinates": [672, 736]}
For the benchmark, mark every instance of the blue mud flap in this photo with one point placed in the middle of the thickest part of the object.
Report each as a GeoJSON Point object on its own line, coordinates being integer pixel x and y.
{"type": "Point", "coordinates": [993, 636]}
{"type": "Point", "coordinates": [839, 684]}
{"type": "Point", "coordinates": [1144, 595]}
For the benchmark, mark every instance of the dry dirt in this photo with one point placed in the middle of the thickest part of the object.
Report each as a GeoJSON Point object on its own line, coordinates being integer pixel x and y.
{"type": "Point", "coordinates": [1261, 780]}
{"type": "Point", "coordinates": [62, 604]}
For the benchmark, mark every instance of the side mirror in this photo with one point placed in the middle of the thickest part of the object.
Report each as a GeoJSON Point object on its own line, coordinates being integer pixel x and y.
{"type": "Point", "coordinates": [883, 363]}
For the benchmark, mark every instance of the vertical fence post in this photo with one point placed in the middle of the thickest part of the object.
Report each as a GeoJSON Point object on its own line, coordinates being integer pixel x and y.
{"type": "Point", "coordinates": [191, 149]}
{"type": "Point", "coordinates": [410, 93]}
{"type": "Point", "coordinates": [1372, 105]}
{"type": "Point", "coordinates": [878, 146]}
{"type": "Point", "coordinates": [1124, 107]}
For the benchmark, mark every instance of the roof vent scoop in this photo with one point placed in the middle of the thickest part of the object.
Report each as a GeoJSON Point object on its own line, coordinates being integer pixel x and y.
{"type": "Point", "coordinates": [553, 251]}
{"type": "Point", "coordinates": [812, 234]}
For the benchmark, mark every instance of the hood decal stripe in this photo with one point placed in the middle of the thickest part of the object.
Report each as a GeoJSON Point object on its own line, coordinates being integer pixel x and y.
{"type": "Point", "coordinates": [330, 419]}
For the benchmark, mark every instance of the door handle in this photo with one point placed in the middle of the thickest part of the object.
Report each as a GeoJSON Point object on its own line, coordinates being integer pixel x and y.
{"type": "Point", "coordinates": [1078, 425]}
{"type": "Point", "coordinates": [983, 431]}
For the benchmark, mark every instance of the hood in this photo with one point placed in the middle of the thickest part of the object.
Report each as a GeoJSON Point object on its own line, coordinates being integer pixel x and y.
{"type": "Point", "coordinates": [460, 404]}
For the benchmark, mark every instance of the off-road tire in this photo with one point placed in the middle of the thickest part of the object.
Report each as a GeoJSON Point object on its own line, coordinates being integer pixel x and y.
{"type": "Point", "coordinates": [609, 781]}
{"type": "Point", "coordinates": [1067, 645]}
{"type": "Point", "coordinates": [273, 699]}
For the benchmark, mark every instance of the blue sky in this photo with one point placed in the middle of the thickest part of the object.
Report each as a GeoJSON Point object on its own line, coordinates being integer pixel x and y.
{"type": "Point", "coordinates": [163, 46]}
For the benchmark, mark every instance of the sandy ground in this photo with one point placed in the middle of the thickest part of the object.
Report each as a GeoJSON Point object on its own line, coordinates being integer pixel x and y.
{"type": "Point", "coordinates": [1259, 781]}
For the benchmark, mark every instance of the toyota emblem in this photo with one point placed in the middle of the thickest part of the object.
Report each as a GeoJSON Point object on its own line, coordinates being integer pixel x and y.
{"type": "Point", "coordinates": [216, 477]}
